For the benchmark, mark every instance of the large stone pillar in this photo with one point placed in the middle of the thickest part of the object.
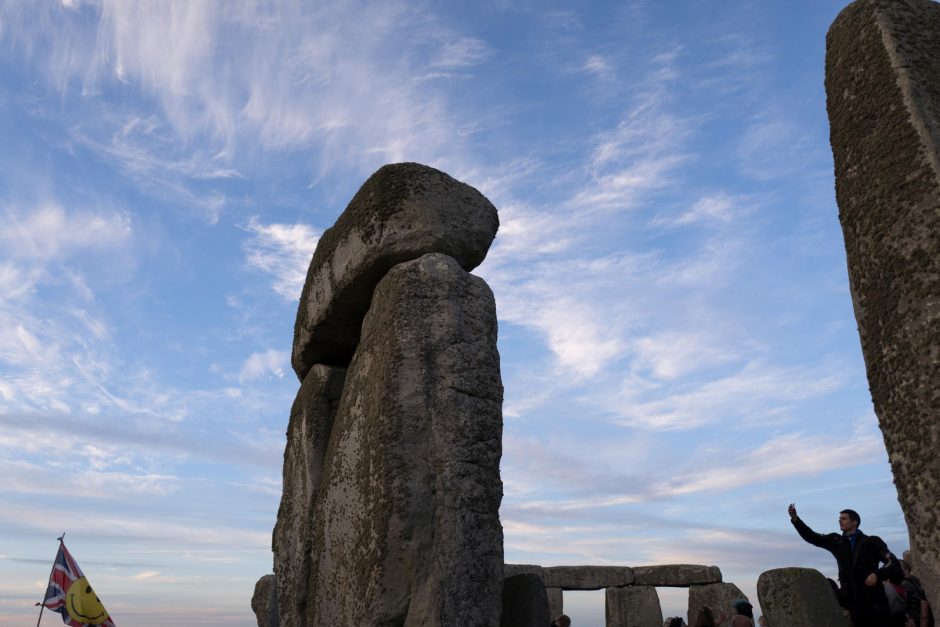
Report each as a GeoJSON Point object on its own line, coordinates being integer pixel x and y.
{"type": "Point", "coordinates": [798, 597]}
{"type": "Point", "coordinates": [407, 519]}
{"type": "Point", "coordinates": [308, 435]}
{"type": "Point", "coordinates": [632, 606]}
{"type": "Point", "coordinates": [883, 98]}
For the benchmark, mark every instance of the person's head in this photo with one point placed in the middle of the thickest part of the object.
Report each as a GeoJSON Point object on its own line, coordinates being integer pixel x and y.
{"type": "Point", "coordinates": [849, 520]}
{"type": "Point", "coordinates": [905, 567]}
{"type": "Point", "coordinates": [675, 622]}
{"type": "Point", "coordinates": [562, 621]}
{"type": "Point", "coordinates": [744, 608]}
{"type": "Point", "coordinates": [762, 621]}
{"type": "Point", "coordinates": [705, 618]}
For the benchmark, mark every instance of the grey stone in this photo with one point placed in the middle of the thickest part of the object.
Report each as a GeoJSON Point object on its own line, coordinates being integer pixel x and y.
{"type": "Point", "coordinates": [556, 601]}
{"type": "Point", "coordinates": [525, 603]}
{"type": "Point", "coordinates": [407, 519]}
{"type": "Point", "coordinates": [883, 99]}
{"type": "Point", "coordinates": [308, 435]}
{"type": "Point", "coordinates": [719, 596]}
{"type": "Point", "coordinates": [510, 570]}
{"type": "Point", "coordinates": [587, 577]}
{"type": "Point", "coordinates": [401, 212]}
{"type": "Point", "coordinates": [675, 575]}
{"type": "Point", "coordinates": [798, 597]}
{"type": "Point", "coordinates": [264, 601]}
{"type": "Point", "coordinates": [634, 606]}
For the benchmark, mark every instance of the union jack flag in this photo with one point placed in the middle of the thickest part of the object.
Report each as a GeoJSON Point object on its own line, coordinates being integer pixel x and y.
{"type": "Point", "coordinates": [70, 594]}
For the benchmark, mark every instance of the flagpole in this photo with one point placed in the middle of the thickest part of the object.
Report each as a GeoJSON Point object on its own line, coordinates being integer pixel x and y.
{"type": "Point", "coordinates": [42, 605]}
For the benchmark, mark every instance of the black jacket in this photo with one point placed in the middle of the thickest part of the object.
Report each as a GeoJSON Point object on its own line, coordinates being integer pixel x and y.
{"type": "Point", "coordinates": [855, 566]}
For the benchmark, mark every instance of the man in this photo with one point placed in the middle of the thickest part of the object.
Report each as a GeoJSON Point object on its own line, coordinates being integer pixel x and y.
{"type": "Point", "coordinates": [861, 590]}
{"type": "Point", "coordinates": [917, 610]}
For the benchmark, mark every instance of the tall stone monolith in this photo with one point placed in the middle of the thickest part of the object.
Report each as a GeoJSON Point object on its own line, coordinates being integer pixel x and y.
{"type": "Point", "coordinates": [407, 527]}
{"type": "Point", "coordinates": [883, 98]}
{"type": "Point", "coordinates": [308, 436]}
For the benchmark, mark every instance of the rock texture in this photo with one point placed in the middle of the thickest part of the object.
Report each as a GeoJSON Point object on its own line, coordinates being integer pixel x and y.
{"type": "Point", "coordinates": [264, 602]}
{"type": "Point", "coordinates": [634, 606]}
{"type": "Point", "coordinates": [720, 596]}
{"type": "Point", "coordinates": [587, 577]}
{"type": "Point", "coordinates": [525, 603]}
{"type": "Point", "coordinates": [556, 601]}
{"type": "Point", "coordinates": [510, 570]}
{"type": "Point", "coordinates": [402, 212]}
{"type": "Point", "coordinates": [675, 575]}
{"type": "Point", "coordinates": [883, 99]}
{"type": "Point", "coordinates": [407, 529]}
{"type": "Point", "coordinates": [308, 435]}
{"type": "Point", "coordinates": [798, 597]}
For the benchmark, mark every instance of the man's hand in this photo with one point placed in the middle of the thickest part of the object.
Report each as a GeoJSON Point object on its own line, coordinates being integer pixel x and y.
{"type": "Point", "coordinates": [872, 580]}
{"type": "Point", "coordinates": [792, 511]}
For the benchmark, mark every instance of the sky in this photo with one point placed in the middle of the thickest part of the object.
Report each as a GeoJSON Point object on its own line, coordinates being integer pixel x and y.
{"type": "Point", "coordinates": [678, 346]}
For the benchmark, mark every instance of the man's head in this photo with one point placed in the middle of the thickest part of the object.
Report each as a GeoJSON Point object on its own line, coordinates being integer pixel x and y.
{"type": "Point", "coordinates": [849, 520]}
{"type": "Point", "coordinates": [905, 567]}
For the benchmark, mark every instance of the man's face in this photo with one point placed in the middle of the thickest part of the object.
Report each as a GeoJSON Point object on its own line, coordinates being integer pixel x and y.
{"type": "Point", "coordinates": [846, 524]}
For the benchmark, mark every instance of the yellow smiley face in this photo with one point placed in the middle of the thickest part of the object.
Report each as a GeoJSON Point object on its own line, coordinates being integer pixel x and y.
{"type": "Point", "coordinates": [83, 605]}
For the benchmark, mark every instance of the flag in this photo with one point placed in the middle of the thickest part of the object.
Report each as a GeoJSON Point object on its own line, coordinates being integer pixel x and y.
{"type": "Point", "coordinates": [70, 594]}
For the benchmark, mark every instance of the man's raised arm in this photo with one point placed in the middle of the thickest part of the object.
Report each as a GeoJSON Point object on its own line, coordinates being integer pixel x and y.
{"type": "Point", "coordinates": [805, 532]}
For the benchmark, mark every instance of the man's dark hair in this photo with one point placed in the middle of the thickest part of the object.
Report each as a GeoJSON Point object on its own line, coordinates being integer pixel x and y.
{"type": "Point", "coordinates": [853, 515]}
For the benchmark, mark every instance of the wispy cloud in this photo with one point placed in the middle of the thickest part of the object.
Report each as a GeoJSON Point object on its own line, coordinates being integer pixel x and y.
{"type": "Point", "coordinates": [283, 251]}
{"type": "Point", "coordinates": [267, 363]}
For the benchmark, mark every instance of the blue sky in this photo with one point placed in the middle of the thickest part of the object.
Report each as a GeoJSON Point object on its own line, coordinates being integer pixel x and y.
{"type": "Point", "coordinates": [678, 346]}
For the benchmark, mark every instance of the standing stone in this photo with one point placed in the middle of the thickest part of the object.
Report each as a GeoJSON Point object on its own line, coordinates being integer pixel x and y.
{"type": "Point", "coordinates": [407, 520]}
{"type": "Point", "coordinates": [401, 212]}
{"type": "Point", "coordinates": [524, 602]}
{"type": "Point", "coordinates": [556, 602]}
{"type": "Point", "coordinates": [264, 602]}
{"type": "Point", "coordinates": [798, 597]}
{"type": "Point", "coordinates": [883, 98]}
{"type": "Point", "coordinates": [308, 435]}
{"type": "Point", "coordinates": [633, 606]}
{"type": "Point", "coordinates": [720, 596]}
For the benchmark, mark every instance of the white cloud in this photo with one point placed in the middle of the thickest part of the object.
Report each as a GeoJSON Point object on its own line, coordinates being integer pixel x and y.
{"type": "Point", "coordinates": [673, 354]}
{"type": "Point", "coordinates": [49, 232]}
{"type": "Point", "coordinates": [260, 365]}
{"type": "Point", "coordinates": [284, 251]}
{"type": "Point", "coordinates": [751, 391]}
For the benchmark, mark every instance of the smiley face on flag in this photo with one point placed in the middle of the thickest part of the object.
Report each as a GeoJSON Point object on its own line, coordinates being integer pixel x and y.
{"type": "Point", "coordinates": [83, 604]}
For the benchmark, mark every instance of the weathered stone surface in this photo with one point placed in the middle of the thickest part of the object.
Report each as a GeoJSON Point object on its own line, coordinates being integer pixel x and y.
{"type": "Point", "coordinates": [798, 597]}
{"type": "Point", "coordinates": [719, 596]}
{"type": "Point", "coordinates": [401, 212]}
{"type": "Point", "coordinates": [587, 577]}
{"type": "Point", "coordinates": [883, 99]}
{"type": "Point", "coordinates": [634, 606]}
{"type": "Point", "coordinates": [675, 575]}
{"type": "Point", "coordinates": [264, 601]}
{"type": "Point", "coordinates": [510, 570]}
{"type": "Point", "coordinates": [525, 603]}
{"type": "Point", "coordinates": [556, 602]}
{"type": "Point", "coordinates": [308, 435]}
{"type": "Point", "coordinates": [407, 520]}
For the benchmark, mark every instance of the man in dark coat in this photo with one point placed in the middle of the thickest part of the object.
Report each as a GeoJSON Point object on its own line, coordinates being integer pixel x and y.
{"type": "Point", "coordinates": [861, 587]}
